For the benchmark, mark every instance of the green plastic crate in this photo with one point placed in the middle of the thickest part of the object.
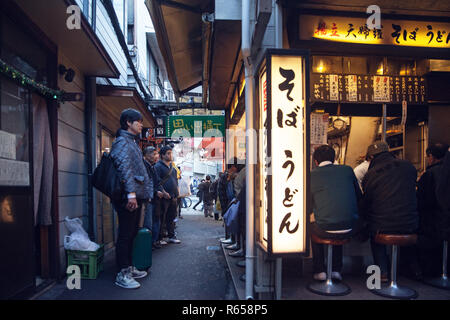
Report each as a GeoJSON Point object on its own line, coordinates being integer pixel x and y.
{"type": "Point", "coordinates": [90, 262]}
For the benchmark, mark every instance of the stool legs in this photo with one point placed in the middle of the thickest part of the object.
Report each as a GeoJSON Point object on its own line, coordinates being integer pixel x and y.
{"type": "Point", "coordinates": [393, 290]}
{"type": "Point", "coordinates": [329, 287]}
{"type": "Point", "coordinates": [443, 281]}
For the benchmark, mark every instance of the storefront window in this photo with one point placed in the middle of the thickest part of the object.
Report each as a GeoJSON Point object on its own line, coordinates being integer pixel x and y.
{"type": "Point", "coordinates": [355, 65]}
{"type": "Point", "coordinates": [14, 134]}
{"type": "Point", "coordinates": [105, 217]}
{"type": "Point", "coordinates": [401, 67]}
{"type": "Point", "coordinates": [327, 64]}
{"type": "Point", "coordinates": [22, 52]}
{"type": "Point", "coordinates": [376, 65]}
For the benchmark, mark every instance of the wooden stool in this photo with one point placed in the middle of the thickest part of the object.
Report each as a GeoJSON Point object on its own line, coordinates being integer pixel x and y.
{"type": "Point", "coordinates": [393, 290]}
{"type": "Point", "coordinates": [442, 281]}
{"type": "Point", "coordinates": [329, 287]}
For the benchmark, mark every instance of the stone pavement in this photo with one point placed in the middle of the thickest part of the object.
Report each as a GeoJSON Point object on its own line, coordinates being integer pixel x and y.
{"type": "Point", "coordinates": [192, 270]}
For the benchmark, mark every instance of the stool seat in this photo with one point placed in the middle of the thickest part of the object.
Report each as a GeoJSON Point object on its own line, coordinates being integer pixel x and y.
{"type": "Point", "coordinates": [333, 242]}
{"type": "Point", "coordinates": [396, 239]}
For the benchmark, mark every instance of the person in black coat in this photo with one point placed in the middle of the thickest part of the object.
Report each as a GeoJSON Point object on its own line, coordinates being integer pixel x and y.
{"type": "Point", "coordinates": [389, 203]}
{"type": "Point", "coordinates": [152, 220]}
{"type": "Point", "coordinates": [434, 219]}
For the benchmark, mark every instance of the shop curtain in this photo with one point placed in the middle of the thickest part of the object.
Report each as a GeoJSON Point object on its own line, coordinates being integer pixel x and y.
{"type": "Point", "coordinates": [42, 162]}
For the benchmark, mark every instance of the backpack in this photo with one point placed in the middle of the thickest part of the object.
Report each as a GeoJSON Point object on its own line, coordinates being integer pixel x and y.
{"type": "Point", "coordinates": [106, 180]}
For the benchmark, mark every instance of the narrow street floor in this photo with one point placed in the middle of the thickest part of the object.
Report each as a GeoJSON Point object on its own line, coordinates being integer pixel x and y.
{"type": "Point", "coordinates": [193, 270]}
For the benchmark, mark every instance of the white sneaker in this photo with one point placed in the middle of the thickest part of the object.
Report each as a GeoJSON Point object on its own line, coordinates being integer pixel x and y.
{"type": "Point", "coordinates": [336, 275]}
{"type": "Point", "coordinates": [174, 240]}
{"type": "Point", "coordinates": [125, 280]}
{"type": "Point", "coordinates": [136, 274]}
{"type": "Point", "coordinates": [322, 276]}
{"type": "Point", "coordinates": [162, 242]}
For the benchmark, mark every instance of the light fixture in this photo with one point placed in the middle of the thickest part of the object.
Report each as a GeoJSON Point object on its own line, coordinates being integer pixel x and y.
{"type": "Point", "coordinates": [70, 73]}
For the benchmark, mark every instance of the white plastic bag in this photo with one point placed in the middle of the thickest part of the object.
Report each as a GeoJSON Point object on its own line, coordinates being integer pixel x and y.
{"type": "Point", "coordinates": [183, 188]}
{"type": "Point", "coordinates": [78, 239]}
{"type": "Point", "coordinates": [75, 225]}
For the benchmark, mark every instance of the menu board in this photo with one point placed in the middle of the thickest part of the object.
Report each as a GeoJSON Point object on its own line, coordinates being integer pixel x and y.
{"type": "Point", "coordinates": [319, 128]}
{"type": "Point", "coordinates": [381, 89]}
{"type": "Point", "coordinates": [368, 88]}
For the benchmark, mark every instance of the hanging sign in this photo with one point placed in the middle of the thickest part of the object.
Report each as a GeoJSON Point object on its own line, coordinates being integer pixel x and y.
{"type": "Point", "coordinates": [392, 32]}
{"type": "Point", "coordinates": [283, 151]}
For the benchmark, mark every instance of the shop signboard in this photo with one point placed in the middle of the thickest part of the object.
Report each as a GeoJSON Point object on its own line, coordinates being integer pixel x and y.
{"type": "Point", "coordinates": [283, 151]}
{"type": "Point", "coordinates": [392, 32]}
{"type": "Point", "coordinates": [160, 127]}
{"type": "Point", "coordinates": [196, 126]}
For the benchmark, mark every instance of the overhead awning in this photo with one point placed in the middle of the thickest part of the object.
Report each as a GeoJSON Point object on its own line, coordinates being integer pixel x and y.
{"type": "Point", "coordinates": [82, 47]}
{"type": "Point", "coordinates": [194, 53]}
{"type": "Point", "coordinates": [114, 100]}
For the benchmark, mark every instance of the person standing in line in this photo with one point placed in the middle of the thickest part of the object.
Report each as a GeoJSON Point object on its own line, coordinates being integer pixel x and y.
{"type": "Point", "coordinates": [222, 191]}
{"type": "Point", "coordinates": [167, 206]}
{"type": "Point", "coordinates": [137, 187]}
{"type": "Point", "coordinates": [152, 221]}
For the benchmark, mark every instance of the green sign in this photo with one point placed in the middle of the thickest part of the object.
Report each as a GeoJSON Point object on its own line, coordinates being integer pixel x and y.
{"type": "Point", "coordinates": [196, 126]}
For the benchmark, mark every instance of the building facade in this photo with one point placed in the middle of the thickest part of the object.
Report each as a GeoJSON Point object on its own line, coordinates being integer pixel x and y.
{"type": "Point", "coordinates": [65, 79]}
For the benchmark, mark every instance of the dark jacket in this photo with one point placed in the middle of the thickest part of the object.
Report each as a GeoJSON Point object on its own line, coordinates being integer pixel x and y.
{"type": "Point", "coordinates": [389, 203]}
{"type": "Point", "coordinates": [127, 158]}
{"type": "Point", "coordinates": [213, 189]}
{"type": "Point", "coordinates": [207, 195]}
{"type": "Point", "coordinates": [222, 192]}
{"type": "Point", "coordinates": [154, 177]}
{"type": "Point", "coordinates": [335, 193]}
{"type": "Point", "coordinates": [434, 221]}
{"type": "Point", "coordinates": [171, 185]}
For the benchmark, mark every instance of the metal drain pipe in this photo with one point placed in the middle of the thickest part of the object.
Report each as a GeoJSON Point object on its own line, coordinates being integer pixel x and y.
{"type": "Point", "coordinates": [250, 154]}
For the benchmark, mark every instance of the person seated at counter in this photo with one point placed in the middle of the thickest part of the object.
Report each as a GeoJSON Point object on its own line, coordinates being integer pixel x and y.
{"type": "Point", "coordinates": [389, 203]}
{"type": "Point", "coordinates": [335, 194]}
{"type": "Point", "coordinates": [434, 220]}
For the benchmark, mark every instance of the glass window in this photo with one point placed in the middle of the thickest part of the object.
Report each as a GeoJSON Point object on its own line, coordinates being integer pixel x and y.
{"type": "Point", "coordinates": [327, 64]}
{"type": "Point", "coordinates": [401, 67]}
{"type": "Point", "coordinates": [21, 51]}
{"type": "Point", "coordinates": [376, 65]}
{"type": "Point", "coordinates": [355, 65]}
{"type": "Point", "coordinates": [14, 134]}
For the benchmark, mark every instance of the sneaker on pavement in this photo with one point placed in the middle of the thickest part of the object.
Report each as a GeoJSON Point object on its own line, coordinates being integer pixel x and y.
{"type": "Point", "coordinates": [156, 245]}
{"type": "Point", "coordinates": [227, 241]}
{"type": "Point", "coordinates": [162, 242]}
{"type": "Point", "coordinates": [322, 276]}
{"type": "Point", "coordinates": [174, 240]}
{"type": "Point", "coordinates": [125, 280]}
{"type": "Point", "coordinates": [136, 274]}
{"type": "Point", "coordinates": [336, 275]}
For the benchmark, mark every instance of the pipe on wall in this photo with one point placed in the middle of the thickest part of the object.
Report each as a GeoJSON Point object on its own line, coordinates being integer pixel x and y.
{"type": "Point", "coordinates": [250, 143]}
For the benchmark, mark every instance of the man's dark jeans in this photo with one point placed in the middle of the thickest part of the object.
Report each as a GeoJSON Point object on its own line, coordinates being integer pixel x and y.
{"type": "Point", "coordinates": [318, 249]}
{"type": "Point", "coordinates": [167, 212]}
{"type": "Point", "coordinates": [128, 228]}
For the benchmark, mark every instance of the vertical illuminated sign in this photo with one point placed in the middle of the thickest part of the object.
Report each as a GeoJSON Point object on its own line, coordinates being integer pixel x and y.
{"type": "Point", "coordinates": [283, 152]}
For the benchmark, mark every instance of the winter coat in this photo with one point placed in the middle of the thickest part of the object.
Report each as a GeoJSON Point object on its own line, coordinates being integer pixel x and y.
{"type": "Point", "coordinates": [389, 201]}
{"type": "Point", "coordinates": [153, 177]}
{"type": "Point", "coordinates": [222, 192]}
{"type": "Point", "coordinates": [127, 158]}
{"type": "Point", "coordinates": [434, 219]}
{"type": "Point", "coordinates": [207, 195]}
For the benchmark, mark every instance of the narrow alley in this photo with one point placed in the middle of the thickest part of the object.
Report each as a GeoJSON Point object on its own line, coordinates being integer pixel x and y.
{"type": "Point", "coordinates": [193, 270]}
